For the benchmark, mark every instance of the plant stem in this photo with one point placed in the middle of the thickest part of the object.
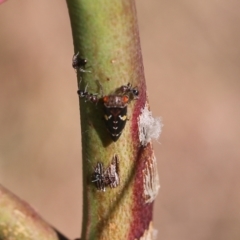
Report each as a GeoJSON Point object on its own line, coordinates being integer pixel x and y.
{"type": "Point", "coordinates": [19, 221]}
{"type": "Point", "coordinates": [106, 33]}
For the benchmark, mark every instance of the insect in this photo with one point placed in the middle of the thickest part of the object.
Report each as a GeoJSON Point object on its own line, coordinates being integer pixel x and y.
{"type": "Point", "coordinates": [129, 89]}
{"type": "Point", "coordinates": [79, 63]}
{"type": "Point", "coordinates": [91, 97]}
{"type": "Point", "coordinates": [108, 177]}
{"type": "Point", "coordinates": [115, 114]}
{"type": "Point", "coordinates": [114, 107]}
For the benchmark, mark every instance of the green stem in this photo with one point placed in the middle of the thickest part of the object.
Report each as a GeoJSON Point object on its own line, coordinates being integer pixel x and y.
{"type": "Point", "coordinates": [19, 221]}
{"type": "Point", "coordinates": [106, 33]}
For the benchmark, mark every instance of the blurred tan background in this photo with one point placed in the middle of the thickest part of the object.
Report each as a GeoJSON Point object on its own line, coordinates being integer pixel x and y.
{"type": "Point", "coordinates": [191, 52]}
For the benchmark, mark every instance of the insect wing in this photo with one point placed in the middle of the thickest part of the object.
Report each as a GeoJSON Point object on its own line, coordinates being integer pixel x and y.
{"type": "Point", "coordinates": [112, 173]}
{"type": "Point", "coordinates": [98, 177]}
{"type": "Point", "coordinates": [115, 119]}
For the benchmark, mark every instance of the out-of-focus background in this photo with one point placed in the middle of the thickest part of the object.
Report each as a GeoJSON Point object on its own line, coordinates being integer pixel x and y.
{"type": "Point", "coordinates": [191, 52]}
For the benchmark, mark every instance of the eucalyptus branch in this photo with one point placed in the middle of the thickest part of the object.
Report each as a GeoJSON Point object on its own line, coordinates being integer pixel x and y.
{"type": "Point", "coordinates": [19, 221]}
{"type": "Point", "coordinates": [106, 34]}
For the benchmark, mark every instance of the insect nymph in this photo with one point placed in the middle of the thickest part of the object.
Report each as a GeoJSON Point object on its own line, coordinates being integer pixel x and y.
{"type": "Point", "coordinates": [79, 63]}
{"type": "Point", "coordinates": [108, 177]}
{"type": "Point", "coordinates": [115, 114]}
{"type": "Point", "coordinates": [114, 106]}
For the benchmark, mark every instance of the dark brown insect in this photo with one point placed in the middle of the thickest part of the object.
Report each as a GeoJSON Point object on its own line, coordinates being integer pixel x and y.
{"type": "Point", "coordinates": [79, 63]}
{"type": "Point", "coordinates": [114, 107]}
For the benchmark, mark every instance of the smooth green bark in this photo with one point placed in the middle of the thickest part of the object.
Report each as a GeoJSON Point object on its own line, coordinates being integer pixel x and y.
{"type": "Point", "coordinates": [19, 221]}
{"type": "Point", "coordinates": [105, 32]}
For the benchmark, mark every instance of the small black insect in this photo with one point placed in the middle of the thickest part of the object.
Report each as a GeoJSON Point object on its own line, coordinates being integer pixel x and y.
{"type": "Point", "coordinates": [79, 63]}
{"type": "Point", "coordinates": [115, 107]}
{"type": "Point", "coordinates": [115, 114]}
{"type": "Point", "coordinates": [129, 89]}
{"type": "Point", "coordinates": [91, 97]}
{"type": "Point", "coordinates": [108, 177]}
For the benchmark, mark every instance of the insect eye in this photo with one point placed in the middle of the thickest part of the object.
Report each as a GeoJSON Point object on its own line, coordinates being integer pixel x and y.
{"type": "Point", "coordinates": [125, 99]}
{"type": "Point", "coordinates": [105, 99]}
